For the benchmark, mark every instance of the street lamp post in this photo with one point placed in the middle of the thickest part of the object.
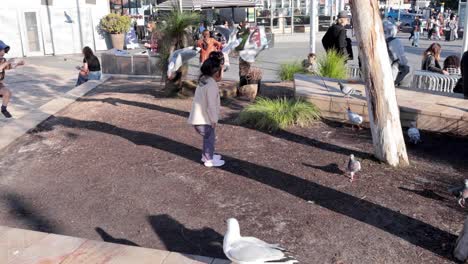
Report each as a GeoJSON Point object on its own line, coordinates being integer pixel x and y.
{"type": "Point", "coordinates": [313, 15]}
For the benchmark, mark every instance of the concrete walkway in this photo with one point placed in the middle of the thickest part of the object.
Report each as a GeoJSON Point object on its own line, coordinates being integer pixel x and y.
{"type": "Point", "coordinates": [28, 247]}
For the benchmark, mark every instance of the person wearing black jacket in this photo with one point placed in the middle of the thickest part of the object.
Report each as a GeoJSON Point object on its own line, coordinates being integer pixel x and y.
{"type": "Point", "coordinates": [464, 72]}
{"type": "Point", "coordinates": [336, 38]}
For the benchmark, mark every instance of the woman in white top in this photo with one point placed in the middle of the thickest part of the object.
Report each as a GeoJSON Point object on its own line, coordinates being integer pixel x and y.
{"type": "Point", "coordinates": [206, 107]}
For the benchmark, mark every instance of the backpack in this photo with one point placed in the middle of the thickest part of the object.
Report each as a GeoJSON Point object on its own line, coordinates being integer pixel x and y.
{"type": "Point", "coordinates": [393, 57]}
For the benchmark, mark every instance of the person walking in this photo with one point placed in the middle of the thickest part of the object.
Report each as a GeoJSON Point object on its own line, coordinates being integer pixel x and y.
{"type": "Point", "coordinates": [207, 45]}
{"type": "Point", "coordinates": [417, 31]}
{"type": "Point", "coordinates": [396, 53]}
{"type": "Point", "coordinates": [431, 59]}
{"type": "Point", "coordinates": [437, 27]}
{"type": "Point", "coordinates": [5, 93]}
{"type": "Point", "coordinates": [140, 27]}
{"type": "Point", "coordinates": [206, 106]}
{"type": "Point", "coordinates": [91, 68]}
{"type": "Point", "coordinates": [451, 28]}
{"type": "Point", "coordinates": [335, 38]}
{"type": "Point", "coordinates": [430, 28]}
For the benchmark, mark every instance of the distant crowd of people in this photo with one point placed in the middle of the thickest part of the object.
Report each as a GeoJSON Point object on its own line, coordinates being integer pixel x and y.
{"type": "Point", "coordinates": [336, 39]}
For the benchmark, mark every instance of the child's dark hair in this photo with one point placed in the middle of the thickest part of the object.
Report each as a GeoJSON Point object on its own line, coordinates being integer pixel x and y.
{"type": "Point", "coordinates": [311, 55]}
{"type": "Point", "coordinates": [212, 65]}
{"type": "Point", "coordinates": [452, 61]}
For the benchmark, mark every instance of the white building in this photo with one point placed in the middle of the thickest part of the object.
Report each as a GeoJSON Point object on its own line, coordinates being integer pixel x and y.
{"type": "Point", "coordinates": [52, 27]}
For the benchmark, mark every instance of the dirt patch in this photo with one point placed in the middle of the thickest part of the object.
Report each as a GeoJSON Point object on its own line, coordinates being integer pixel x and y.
{"type": "Point", "coordinates": [122, 165]}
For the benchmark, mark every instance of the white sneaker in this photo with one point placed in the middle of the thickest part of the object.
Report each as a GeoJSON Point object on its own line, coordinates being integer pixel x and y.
{"type": "Point", "coordinates": [215, 157]}
{"type": "Point", "coordinates": [214, 163]}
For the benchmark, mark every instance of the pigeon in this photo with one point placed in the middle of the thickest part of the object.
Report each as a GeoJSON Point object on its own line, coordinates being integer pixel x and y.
{"type": "Point", "coordinates": [353, 167]}
{"type": "Point", "coordinates": [461, 192]}
{"type": "Point", "coordinates": [347, 90]}
{"type": "Point", "coordinates": [251, 250]}
{"type": "Point", "coordinates": [355, 119]}
{"type": "Point", "coordinates": [179, 58]}
{"type": "Point", "coordinates": [251, 50]}
{"type": "Point", "coordinates": [413, 134]}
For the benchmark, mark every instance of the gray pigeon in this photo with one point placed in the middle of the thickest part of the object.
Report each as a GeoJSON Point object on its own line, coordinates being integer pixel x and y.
{"type": "Point", "coordinates": [353, 167]}
{"type": "Point", "coordinates": [346, 90]}
{"type": "Point", "coordinates": [413, 134]}
{"type": "Point", "coordinates": [461, 192]}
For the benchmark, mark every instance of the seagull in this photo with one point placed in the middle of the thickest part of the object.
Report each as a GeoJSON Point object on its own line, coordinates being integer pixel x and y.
{"type": "Point", "coordinates": [355, 119]}
{"type": "Point", "coordinates": [413, 134]}
{"type": "Point", "coordinates": [461, 192]}
{"type": "Point", "coordinates": [353, 167]}
{"type": "Point", "coordinates": [347, 90]}
{"type": "Point", "coordinates": [180, 57]}
{"type": "Point", "coordinates": [251, 50]}
{"type": "Point", "coordinates": [251, 250]}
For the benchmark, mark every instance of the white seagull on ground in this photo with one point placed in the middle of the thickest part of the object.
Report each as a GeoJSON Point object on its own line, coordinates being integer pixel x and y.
{"type": "Point", "coordinates": [251, 250]}
{"type": "Point", "coordinates": [179, 58]}
{"type": "Point", "coordinates": [355, 119]}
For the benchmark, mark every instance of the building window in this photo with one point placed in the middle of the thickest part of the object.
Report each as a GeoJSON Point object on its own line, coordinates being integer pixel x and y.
{"type": "Point", "coordinates": [91, 2]}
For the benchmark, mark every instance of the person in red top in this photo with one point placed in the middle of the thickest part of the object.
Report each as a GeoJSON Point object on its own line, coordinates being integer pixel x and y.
{"type": "Point", "coordinates": [207, 45]}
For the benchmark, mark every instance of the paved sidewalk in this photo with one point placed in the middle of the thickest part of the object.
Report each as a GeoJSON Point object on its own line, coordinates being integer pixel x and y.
{"type": "Point", "coordinates": [24, 246]}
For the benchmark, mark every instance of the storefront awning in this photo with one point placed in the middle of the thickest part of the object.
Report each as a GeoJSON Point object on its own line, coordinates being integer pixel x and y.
{"type": "Point", "coordinates": [206, 4]}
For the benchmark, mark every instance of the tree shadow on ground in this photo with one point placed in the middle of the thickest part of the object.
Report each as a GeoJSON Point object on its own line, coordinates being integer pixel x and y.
{"type": "Point", "coordinates": [282, 134]}
{"type": "Point", "coordinates": [176, 237]}
{"type": "Point", "coordinates": [26, 215]}
{"type": "Point", "coordinates": [330, 168]}
{"type": "Point", "coordinates": [426, 193]}
{"type": "Point", "coordinates": [106, 237]}
{"type": "Point", "coordinates": [407, 228]}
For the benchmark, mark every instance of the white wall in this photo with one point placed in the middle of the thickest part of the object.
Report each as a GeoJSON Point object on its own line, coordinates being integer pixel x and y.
{"type": "Point", "coordinates": [64, 34]}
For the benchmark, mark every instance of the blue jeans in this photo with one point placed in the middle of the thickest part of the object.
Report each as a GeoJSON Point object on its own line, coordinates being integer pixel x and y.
{"type": "Point", "coordinates": [92, 75]}
{"type": "Point", "coordinates": [209, 137]}
{"type": "Point", "coordinates": [416, 38]}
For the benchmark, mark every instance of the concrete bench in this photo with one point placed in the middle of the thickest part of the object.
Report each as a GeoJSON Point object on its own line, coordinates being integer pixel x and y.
{"type": "Point", "coordinates": [432, 81]}
{"type": "Point", "coordinates": [130, 63]}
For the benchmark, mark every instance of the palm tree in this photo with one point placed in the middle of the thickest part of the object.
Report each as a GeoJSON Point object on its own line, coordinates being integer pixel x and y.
{"type": "Point", "coordinates": [176, 33]}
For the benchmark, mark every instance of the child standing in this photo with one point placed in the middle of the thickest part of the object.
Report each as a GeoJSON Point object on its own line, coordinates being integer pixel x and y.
{"type": "Point", "coordinates": [206, 107]}
{"type": "Point", "coordinates": [5, 93]}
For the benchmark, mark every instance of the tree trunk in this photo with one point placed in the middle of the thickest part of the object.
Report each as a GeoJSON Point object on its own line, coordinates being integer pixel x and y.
{"type": "Point", "coordinates": [384, 115]}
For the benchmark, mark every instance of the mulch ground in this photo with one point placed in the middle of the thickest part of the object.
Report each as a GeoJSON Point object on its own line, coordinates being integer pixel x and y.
{"type": "Point", "coordinates": [122, 165]}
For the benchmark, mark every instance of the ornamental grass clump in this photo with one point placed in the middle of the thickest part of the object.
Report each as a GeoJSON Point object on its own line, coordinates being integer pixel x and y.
{"type": "Point", "coordinates": [274, 114]}
{"type": "Point", "coordinates": [288, 70]}
{"type": "Point", "coordinates": [332, 65]}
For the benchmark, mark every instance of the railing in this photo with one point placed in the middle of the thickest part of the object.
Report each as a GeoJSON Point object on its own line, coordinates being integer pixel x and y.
{"type": "Point", "coordinates": [432, 81]}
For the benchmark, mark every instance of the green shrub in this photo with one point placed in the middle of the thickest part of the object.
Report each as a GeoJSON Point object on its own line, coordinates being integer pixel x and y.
{"type": "Point", "coordinates": [274, 114]}
{"type": "Point", "coordinates": [288, 70]}
{"type": "Point", "coordinates": [115, 23]}
{"type": "Point", "coordinates": [332, 65]}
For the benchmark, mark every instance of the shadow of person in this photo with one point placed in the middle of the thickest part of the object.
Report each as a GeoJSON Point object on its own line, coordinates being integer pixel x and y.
{"type": "Point", "coordinates": [108, 238]}
{"type": "Point", "coordinates": [176, 237]}
{"type": "Point", "coordinates": [27, 215]}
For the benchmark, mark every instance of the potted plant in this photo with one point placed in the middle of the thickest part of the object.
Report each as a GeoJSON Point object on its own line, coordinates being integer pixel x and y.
{"type": "Point", "coordinates": [116, 26]}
